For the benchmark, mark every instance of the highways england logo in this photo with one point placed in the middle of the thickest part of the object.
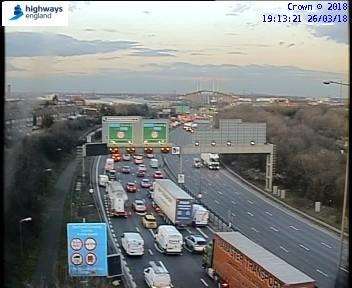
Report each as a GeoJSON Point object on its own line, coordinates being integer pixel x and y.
{"type": "Point", "coordinates": [35, 13]}
{"type": "Point", "coordinates": [18, 12]}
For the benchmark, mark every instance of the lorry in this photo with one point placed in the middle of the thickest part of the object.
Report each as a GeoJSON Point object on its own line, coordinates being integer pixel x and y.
{"type": "Point", "coordinates": [103, 180]}
{"type": "Point", "coordinates": [117, 197]}
{"type": "Point", "coordinates": [174, 202]}
{"type": "Point", "coordinates": [210, 160]}
{"type": "Point", "coordinates": [233, 260]}
{"type": "Point", "coordinates": [200, 215]}
{"type": "Point", "coordinates": [156, 275]}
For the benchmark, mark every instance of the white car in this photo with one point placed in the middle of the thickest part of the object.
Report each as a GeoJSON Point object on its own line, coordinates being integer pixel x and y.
{"type": "Point", "coordinates": [142, 168]}
{"type": "Point", "coordinates": [156, 275]}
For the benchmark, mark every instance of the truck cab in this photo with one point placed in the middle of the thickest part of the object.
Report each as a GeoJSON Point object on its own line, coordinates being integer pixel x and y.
{"type": "Point", "coordinates": [156, 275]}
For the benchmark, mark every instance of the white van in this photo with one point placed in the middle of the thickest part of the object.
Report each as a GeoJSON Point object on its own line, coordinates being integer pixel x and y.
{"type": "Point", "coordinates": [154, 163]}
{"type": "Point", "coordinates": [103, 180]}
{"type": "Point", "coordinates": [169, 239]}
{"type": "Point", "coordinates": [156, 275]}
{"type": "Point", "coordinates": [200, 215]}
{"type": "Point", "coordinates": [109, 164]}
{"type": "Point", "coordinates": [132, 243]}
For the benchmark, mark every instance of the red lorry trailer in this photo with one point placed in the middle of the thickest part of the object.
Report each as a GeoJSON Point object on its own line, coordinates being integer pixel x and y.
{"type": "Point", "coordinates": [238, 262]}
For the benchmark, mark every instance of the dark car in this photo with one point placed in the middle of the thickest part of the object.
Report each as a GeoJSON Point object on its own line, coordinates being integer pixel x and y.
{"type": "Point", "coordinates": [126, 169]}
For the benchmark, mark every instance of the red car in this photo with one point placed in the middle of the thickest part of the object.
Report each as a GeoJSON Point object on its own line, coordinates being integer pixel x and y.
{"type": "Point", "coordinates": [140, 174]}
{"type": "Point", "coordinates": [158, 175]}
{"type": "Point", "coordinates": [131, 187]}
{"type": "Point", "coordinates": [116, 157]}
{"type": "Point", "coordinates": [138, 161]}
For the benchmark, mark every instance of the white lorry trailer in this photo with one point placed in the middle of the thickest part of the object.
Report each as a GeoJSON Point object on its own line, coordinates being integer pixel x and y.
{"type": "Point", "coordinates": [210, 160]}
{"type": "Point", "coordinates": [200, 215]}
{"type": "Point", "coordinates": [174, 202]}
{"type": "Point", "coordinates": [117, 198]}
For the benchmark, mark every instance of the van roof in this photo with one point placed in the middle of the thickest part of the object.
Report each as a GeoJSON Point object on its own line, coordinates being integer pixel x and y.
{"type": "Point", "coordinates": [158, 267]}
{"type": "Point", "coordinates": [133, 235]}
{"type": "Point", "coordinates": [169, 229]}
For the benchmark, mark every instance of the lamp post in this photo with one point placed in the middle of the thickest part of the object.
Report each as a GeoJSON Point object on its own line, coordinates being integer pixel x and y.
{"type": "Point", "coordinates": [28, 219]}
{"type": "Point", "coordinates": [346, 182]}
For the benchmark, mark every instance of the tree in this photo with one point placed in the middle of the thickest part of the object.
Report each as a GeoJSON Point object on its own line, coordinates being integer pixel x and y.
{"type": "Point", "coordinates": [47, 121]}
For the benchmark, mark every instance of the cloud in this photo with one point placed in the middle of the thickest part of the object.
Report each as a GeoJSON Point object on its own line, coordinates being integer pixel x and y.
{"type": "Point", "coordinates": [238, 9]}
{"type": "Point", "coordinates": [281, 43]}
{"type": "Point", "coordinates": [29, 44]}
{"type": "Point", "coordinates": [109, 58]}
{"type": "Point", "coordinates": [237, 53]}
{"type": "Point", "coordinates": [147, 52]}
{"type": "Point", "coordinates": [151, 35]}
{"type": "Point", "coordinates": [337, 32]}
{"type": "Point", "coordinates": [254, 45]}
{"type": "Point", "coordinates": [290, 45]}
{"type": "Point", "coordinates": [12, 68]}
{"type": "Point", "coordinates": [147, 12]}
{"type": "Point", "coordinates": [110, 30]}
{"type": "Point", "coordinates": [231, 34]}
{"type": "Point", "coordinates": [199, 54]}
{"type": "Point", "coordinates": [89, 30]}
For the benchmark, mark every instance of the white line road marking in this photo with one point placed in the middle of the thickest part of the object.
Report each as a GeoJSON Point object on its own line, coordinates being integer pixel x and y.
{"type": "Point", "coordinates": [321, 272]}
{"type": "Point", "coordinates": [233, 202]}
{"type": "Point", "coordinates": [254, 229]}
{"type": "Point", "coordinates": [266, 212]}
{"type": "Point", "coordinates": [151, 232]}
{"type": "Point", "coordinates": [250, 214]}
{"type": "Point", "coordinates": [237, 193]}
{"type": "Point", "coordinates": [201, 232]}
{"type": "Point", "coordinates": [212, 230]}
{"type": "Point", "coordinates": [216, 201]}
{"type": "Point", "coordinates": [150, 252]}
{"type": "Point", "coordinates": [294, 228]}
{"type": "Point", "coordinates": [304, 247]}
{"type": "Point", "coordinates": [250, 202]}
{"type": "Point", "coordinates": [189, 231]}
{"type": "Point", "coordinates": [205, 283]}
{"type": "Point", "coordinates": [326, 245]}
{"type": "Point", "coordinates": [283, 248]}
{"type": "Point", "coordinates": [273, 228]}
{"type": "Point", "coordinates": [138, 229]}
{"type": "Point", "coordinates": [220, 192]}
{"type": "Point", "coordinates": [233, 214]}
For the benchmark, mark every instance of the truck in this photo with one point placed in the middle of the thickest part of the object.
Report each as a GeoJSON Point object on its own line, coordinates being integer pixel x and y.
{"type": "Point", "coordinates": [233, 260]}
{"type": "Point", "coordinates": [174, 203]}
{"type": "Point", "coordinates": [117, 198]}
{"type": "Point", "coordinates": [210, 160]}
{"type": "Point", "coordinates": [200, 215]}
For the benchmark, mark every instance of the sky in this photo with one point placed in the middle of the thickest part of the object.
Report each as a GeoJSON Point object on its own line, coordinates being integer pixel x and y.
{"type": "Point", "coordinates": [167, 47]}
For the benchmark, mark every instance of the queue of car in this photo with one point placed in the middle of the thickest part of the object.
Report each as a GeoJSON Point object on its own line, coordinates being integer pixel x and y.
{"type": "Point", "coordinates": [167, 238]}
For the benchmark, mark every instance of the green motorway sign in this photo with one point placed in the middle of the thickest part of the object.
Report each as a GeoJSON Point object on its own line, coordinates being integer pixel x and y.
{"type": "Point", "coordinates": [120, 133]}
{"type": "Point", "coordinates": [155, 133]}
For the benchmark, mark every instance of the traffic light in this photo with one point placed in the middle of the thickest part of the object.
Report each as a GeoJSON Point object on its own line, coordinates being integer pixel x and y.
{"type": "Point", "coordinates": [165, 149]}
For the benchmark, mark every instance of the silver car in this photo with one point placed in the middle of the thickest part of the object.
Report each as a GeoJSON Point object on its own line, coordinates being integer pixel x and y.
{"type": "Point", "coordinates": [196, 243]}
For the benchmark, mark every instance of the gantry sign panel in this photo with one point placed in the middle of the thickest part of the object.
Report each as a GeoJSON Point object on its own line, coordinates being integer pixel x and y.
{"type": "Point", "coordinates": [120, 133]}
{"type": "Point", "coordinates": [155, 132]}
{"type": "Point", "coordinates": [133, 131]}
{"type": "Point", "coordinates": [234, 131]}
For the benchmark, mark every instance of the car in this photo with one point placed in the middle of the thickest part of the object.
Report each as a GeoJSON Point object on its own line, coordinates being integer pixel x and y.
{"type": "Point", "coordinates": [139, 206]}
{"type": "Point", "coordinates": [126, 169]}
{"type": "Point", "coordinates": [142, 168]}
{"type": "Point", "coordinates": [149, 221]}
{"type": "Point", "coordinates": [126, 157]}
{"type": "Point", "coordinates": [158, 175]}
{"type": "Point", "coordinates": [197, 163]}
{"type": "Point", "coordinates": [138, 161]}
{"type": "Point", "coordinates": [112, 174]}
{"type": "Point", "coordinates": [150, 155]}
{"type": "Point", "coordinates": [140, 174]}
{"type": "Point", "coordinates": [116, 157]}
{"type": "Point", "coordinates": [137, 156]}
{"type": "Point", "coordinates": [131, 187]}
{"type": "Point", "coordinates": [145, 183]}
{"type": "Point", "coordinates": [196, 243]}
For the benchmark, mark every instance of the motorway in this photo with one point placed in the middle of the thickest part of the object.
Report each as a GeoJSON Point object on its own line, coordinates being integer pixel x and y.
{"type": "Point", "coordinates": [299, 242]}
{"type": "Point", "coordinates": [185, 270]}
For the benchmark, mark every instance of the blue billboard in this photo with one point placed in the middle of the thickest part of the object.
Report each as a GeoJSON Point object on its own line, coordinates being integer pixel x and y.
{"type": "Point", "coordinates": [87, 249]}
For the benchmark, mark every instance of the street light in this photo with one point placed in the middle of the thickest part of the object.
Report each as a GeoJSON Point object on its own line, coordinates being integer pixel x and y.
{"type": "Point", "coordinates": [28, 219]}
{"type": "Point", "coordinates": [346, 183]}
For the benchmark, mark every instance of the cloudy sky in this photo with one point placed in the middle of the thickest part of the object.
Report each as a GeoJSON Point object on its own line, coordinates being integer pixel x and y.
{"type": "Point", "coordinates": [179, 46]}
